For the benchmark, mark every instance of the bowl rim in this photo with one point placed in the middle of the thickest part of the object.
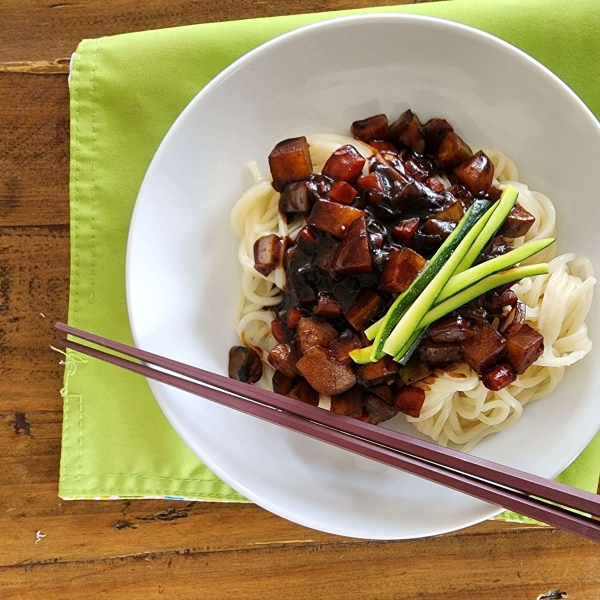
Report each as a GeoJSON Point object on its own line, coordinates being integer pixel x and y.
{"type": "Point", "coordinates": [333, 22]}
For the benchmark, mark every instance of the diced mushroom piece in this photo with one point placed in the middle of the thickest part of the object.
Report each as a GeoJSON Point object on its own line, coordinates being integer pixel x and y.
{"type": "Point", "coordinates": [293, 316]}
{"type": "Point", "coordinates": [493, 193]}
{"type": "Point", "coordinates": [345, 164]}
{"type": "Point", "coordinates": [452, 151]}
{"type": "Point", "coordinates": [409, 400]}
{"type": "Point", "coordinates": [353, 255]}
{"type": "Point", "coordinates": [376, 410]}
{"type": "Point", "coordinates": [451, 329]}
{"type": "Point", "coordinates": [375, 373]}
{"type": "Point", "coordinates": [372, 128]}
{"type": "Point", "coordinates": [438, 227]}
{"type": "Point", "coordinates": [304, 392]}
{"type": "Point", "coordinates": [348, 403]}
{"type": "Point", "coordinates": [328, 306]}
{"type": "Point", "coordinates": [405, 230]}
{"type": "Point", "coordinates": [401, 269]}
{"type": "Point", "coordinates": [485, 349]}
{"type": "Point", "coordinates": [314, 332]}
{"type": "Point", "coordinates": [333, 218]}
{"type": "Point", "coordinates": [283, 358]}
{"type": "Point", "coordinates": [498, 377]}
{"type": "Point", "coordinates": [245, 364]}
{"type": "Point", "coordinates": [367, 306]}
{"type": "Point", "coordinates": [324, 373]}
{"type": "Point", "coordinates": [518, 222]}
{"type": "Point", "coordinates": [476, 173]}
{"type": "Point", "coordinates": [435, 131]}
{"type": "Point", "coordinates": [384, 391]}
{"type": "Point", "coordinates": [282, 384]}
{"type": "Point", "coordinates": [306, 240]}
{"type": "Point", "coordinates": [290, 161]}
{"type": "Point", "coordinates": [342, 192]}
{"type": "Point", "coordinates": [414, 370]}
{"type": "Point", "coordinates": [281, 332]}
{"type": "Point", "coordinates": [408, 130]}
{"type": "Point", "coordinates": [268, 251]}
{"type": "Point", "coordinates": [524, 348]}
{"type": "Point", "coordinates": [514, 320]}
{"type": "Point", "coordinates": [439, 354]}
{"type": "Point", "coordinates": [296, 198]}
{"type": "Point", "coordinates": [453, 212]}
{"type": "Point", "coordinates": [343, 344]}
{"type": "Point", "coordinates": [435, 184]}
{"type": "Point", "coordinates": [505, 298]}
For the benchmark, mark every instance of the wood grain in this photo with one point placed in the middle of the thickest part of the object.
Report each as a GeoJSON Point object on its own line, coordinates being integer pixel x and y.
{"type": "Point", "coordinates": [156, 549]}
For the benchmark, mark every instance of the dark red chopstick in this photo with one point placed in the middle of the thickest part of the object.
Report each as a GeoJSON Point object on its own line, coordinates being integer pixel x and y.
{"type": "Point", "coordinates": [477, 467]}
{"type": "Point", "coordinates": [332, 434]}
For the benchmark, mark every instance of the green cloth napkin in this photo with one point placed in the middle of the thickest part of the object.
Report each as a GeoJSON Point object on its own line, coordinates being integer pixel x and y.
{"type": "Point", "coordinates": [126, 91]}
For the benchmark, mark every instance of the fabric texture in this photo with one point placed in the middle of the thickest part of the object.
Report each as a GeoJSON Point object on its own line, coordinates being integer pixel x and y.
{"type": "Point", "coordinates": [126, 91]}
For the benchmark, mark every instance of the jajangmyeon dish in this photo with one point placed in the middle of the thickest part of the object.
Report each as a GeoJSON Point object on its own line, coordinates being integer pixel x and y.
{"type": "Point", "coordinates": [400, 271]}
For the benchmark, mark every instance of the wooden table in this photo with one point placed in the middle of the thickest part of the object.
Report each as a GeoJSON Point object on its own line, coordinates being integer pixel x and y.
{"type": "Point", "coordinates": [157, 549]}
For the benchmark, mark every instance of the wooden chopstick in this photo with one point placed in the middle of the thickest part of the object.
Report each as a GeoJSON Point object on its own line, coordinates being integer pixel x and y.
{"type": "Point", "coordinates": [409, 454]}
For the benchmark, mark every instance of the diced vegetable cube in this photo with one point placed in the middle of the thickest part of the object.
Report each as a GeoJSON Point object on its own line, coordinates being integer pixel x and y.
{"type": "Point", "coordinates": [296, 198]}
{"type": "Point", "coordinates": [452, 151]}
{"type": "Point", "coordinates": [343, 344]}
{"type": "Point", "coordinates": [435, 131]}
{"type": "Point", "coordinates": [376, 410]}
{"type": "Point", "coordinates": [328, 306]}
{"type": "Point", "coordinates": [282, 384]}
{"type": "Point", "coordinates": [342, 192]}
{"type": "Point", "coordinates": [514, 320]}
{"type": "Point", "coordinates": [401, 269]}
{"type": "Point", "coordinates": [314, 332]}
{"type": "Point", "coordinates": [438, 227]}
{"type": "Point", "coordinates": [245, 364]}
{"type": "Point", "coordinates": [384, 391]}
{"type": "Point", "coordinates": [451, 329]}
{"type": "Point", "coordinates": [268, 251]}
{"type": "Point", "coordinates": [345, 164]}
{"type": "Point", "coordinates": [414, 370]}
{"type": "Point", "coordinates": [485, 349]}
{"type": "Point", "coordinates": [372, 128]}
{"type": "Point", "coordinates": [476, 173]}
{"type": "Point", "coordinates": [290, 161]}
{"type": "Point", "coordinates": [283, 358]}
{"type": "Point", "coordinates": [348, 403]}
{"type": "Point", "coordinates": [304, 392]}
{"type": "Point", "coordinates": [333, 218]}
{"type": "Point", "coordinates": [281, 332]}
{"type": "Point", "coordinates": [324, 373]}
{"type": "Point", "coordinates": [375, 373]}
{"type": "Point", "coordinates": [408, 130]}
{"type": "Point", "coordinates": [409, 400]}
{"type": "Point", "coordinates": [498, 377]}
{"type": "Point", "coordinates": [518, 222]}
{"type": "Point", "coordinates": [367, 306]}
{"type": "Point", "coordinates": [439, 354]}
{"type": "Point", "coordinates": [353, 255]}
{"type": "Point", "coordinates": [405, 230]}
{"type": "Point", "coordinates": [524, 348]}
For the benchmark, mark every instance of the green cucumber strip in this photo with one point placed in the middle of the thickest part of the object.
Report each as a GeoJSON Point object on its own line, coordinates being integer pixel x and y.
{"type": "Point", "coordinates": [503, 207]}
{"type": "Point", "coordinates": [478, 213]}
{"type": "Point", "coordinates": [361, 356]}
{"type": "Point", "coordinates": [404, 356]}
{"type": "Point", "coordinates": [372, 330]}
{"type": "Point", "coordinates": [423, 304]}
{"type": "Point", "coordinates": [485, 285]}
{"type": "Point", "coordinates": [471, 276]}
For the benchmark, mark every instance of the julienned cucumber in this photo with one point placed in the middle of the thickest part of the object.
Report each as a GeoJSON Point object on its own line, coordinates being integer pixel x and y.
{"type": "Point", "coordinates": [361, 356]}
{"type": "Point", "coordinates": [404, 355]}
{"type": "Point", "coordinates": [471, 276]}
{"type": "Point", "coordinates": [504, 206]}
{"type": "Point", "coordinates": [477, 214]}
{"type": "Point", "coordinates": [485, 285]}
{"type": "Point", "coordinates": [411, 319]}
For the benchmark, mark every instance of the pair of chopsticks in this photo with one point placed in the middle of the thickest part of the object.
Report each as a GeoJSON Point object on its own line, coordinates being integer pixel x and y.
{"type": "Point", "coordinates": [482, 479]}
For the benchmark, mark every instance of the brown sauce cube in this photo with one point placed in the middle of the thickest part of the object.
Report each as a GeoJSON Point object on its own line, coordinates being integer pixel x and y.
{"type": "Point", "coordinates": [372, 128]}
{"type": "Point", "coordinates": [367, 306]}
{"type": "Point", "coordinates": [290, 161]}
{"type": "Point", "coordinates": [345, 164]}
{"type": "Point", "coordinates": [401, 269]}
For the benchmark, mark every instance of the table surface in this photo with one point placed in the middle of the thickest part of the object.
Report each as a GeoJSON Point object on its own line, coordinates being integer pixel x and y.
{"type": "Point", "coordinates": [157, 549]}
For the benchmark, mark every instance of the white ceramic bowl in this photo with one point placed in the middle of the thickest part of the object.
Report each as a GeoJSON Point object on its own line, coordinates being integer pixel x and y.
{"type": "Point", "coordinates": [182, 271]}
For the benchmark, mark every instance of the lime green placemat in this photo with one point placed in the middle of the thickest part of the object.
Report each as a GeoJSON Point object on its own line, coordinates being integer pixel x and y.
{"type": "Point", "coordinates": [126, 91]}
